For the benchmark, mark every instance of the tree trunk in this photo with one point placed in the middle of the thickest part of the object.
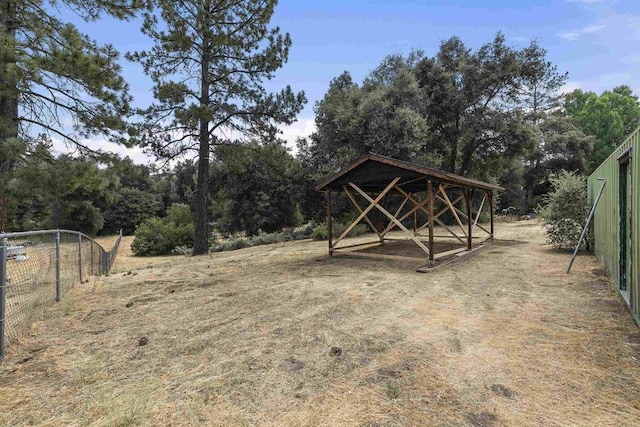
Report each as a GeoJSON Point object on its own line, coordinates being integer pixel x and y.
{"type": "Point", "coordinates": [453, 143]}
{"type": "Point", "coordinates": [201, 240]}
{"type": "Point", "coordinates": [8, 88]}
{"type": "Point", "coordinates": [467, 158]}
{"type": "Point", "coordinates": [8, 84]}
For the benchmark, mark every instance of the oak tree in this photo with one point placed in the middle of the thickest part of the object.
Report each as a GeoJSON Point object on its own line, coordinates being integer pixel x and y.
{"type": "Point", "coordinates": [610, 117]}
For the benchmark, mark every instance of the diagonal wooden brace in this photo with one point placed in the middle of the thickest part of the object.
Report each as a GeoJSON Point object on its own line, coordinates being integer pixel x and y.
{"type": "Point", "coordinates": [357, 205]}
{"type": "Point", "coordinates": [416, 206]}
{"type": "Point", "coordinates": [435, 217]}
{"type": "Point", "coordinates": [366, 211]}
{"type": "Point", "coordinates": [453, 211]}
{"type": "Point", "coordinates": [405, 216]}
{"type": "Point", "coordinates": [464, 215]}
{"type": "Point", "coordinates": [391, 223]}
{"type": "Point", "coordinates": [475, 222]}
{"type": "Point", "coordinates": [392, 218]}
{"type": "Point", "coordinates": [439, 214]}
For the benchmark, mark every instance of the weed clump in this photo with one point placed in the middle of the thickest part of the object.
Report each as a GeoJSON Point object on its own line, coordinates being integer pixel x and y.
{"type": "Point", "coordinates": [248, 242]}
{"type": "Point", "coordinates": [337, 228]}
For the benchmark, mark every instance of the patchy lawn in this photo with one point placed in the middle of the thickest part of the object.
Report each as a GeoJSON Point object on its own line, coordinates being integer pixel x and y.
{"type": "Point", "coordinates": [284, 335]}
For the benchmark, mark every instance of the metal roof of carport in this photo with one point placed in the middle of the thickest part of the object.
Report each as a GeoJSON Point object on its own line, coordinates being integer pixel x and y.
{"type": "Point", "coordinates": [373, 172]}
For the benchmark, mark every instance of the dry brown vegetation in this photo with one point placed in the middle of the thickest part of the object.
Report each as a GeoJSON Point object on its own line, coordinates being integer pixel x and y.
{"type": "Point", "coordinates": [284, 335]}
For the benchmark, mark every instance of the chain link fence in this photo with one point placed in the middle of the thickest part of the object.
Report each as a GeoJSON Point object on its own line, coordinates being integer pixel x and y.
{"type": "Point", "coordinates": [37, 268]}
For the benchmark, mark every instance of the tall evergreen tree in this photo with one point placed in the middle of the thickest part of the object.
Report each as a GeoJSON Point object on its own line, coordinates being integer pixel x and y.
{"type": "Point", "coordinates": [209, 64]}
{"type": "Point", "coordinates": [541, 82]}
{"type": "Point", "coordinates": [47, 191]}
{"type": "Point", "coordinates": [50, 73]}
{"type": "Point", "coordinates": [539, 95]}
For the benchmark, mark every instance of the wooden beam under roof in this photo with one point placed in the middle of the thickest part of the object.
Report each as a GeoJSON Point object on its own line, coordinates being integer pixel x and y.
{"type": "Point", "coordinates": [406, 170]}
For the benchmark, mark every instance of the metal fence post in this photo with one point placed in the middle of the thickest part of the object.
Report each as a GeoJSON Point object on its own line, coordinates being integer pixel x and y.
{"type": "Point", "coordinates": [91, 259]}
{"type": "Point", "coordinates": [58, 291]}
{"type": "Point", "coordinates": [3, 291]}
{"type": "Point", "coordinates": [80, 255]}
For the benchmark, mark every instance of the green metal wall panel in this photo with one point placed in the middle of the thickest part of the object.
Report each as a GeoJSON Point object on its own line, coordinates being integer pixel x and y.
{"type": "Point", "coordinates": [607, 216]}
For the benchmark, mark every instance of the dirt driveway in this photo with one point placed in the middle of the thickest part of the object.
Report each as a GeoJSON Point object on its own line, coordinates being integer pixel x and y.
{"type": "Point", "coordinates": [284, 335]}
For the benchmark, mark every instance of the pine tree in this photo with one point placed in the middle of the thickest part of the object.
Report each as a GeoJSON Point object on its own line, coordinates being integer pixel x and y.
{"type": "Point", "coordinates": [208, 65]}
{"type": "Point", "coordinates": [50, 73]}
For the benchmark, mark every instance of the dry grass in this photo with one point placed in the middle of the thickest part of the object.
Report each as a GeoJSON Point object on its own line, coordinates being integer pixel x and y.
{"type": "Point", "coordinates": [283, 335]}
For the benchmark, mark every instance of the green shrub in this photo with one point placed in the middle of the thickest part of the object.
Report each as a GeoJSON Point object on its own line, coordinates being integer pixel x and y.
{"type": "Point", "coordinates": [182, 250]}
{"type": "Point", "coordinates": [161, 236]}
{"type": "Point", "coordinates": [337, 228]}
{"type": "Point", "coordinates": [485, 215]}
{"type": "Point", "coordinates": [565, 210]}
{"type": "Point", "coordinates": [257, 240]}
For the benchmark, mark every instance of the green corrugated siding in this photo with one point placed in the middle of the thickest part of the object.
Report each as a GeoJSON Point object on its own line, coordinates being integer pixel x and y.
{"type": "Point", "coordinates": [607, 216]}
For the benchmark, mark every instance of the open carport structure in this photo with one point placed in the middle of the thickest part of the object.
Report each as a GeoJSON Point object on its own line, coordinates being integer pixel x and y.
{"type": "Point", "coordinates": [400, 190]}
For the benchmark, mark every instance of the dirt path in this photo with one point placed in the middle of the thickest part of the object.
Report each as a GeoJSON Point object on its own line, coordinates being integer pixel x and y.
{"type": "Point", "coordinates": [284, 335]}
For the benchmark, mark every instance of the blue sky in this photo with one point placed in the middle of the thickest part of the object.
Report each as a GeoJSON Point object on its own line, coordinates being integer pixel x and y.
{"type": "Point", "coordinates": [596, 41]}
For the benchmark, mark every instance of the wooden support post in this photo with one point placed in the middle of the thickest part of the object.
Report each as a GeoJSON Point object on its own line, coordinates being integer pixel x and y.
{"type": "Point", "coordinates": [329, 227]}
{"type": "Point", "coordinates": [468, 195]}
{"type": "Point", "coordinates": [91, 259]}
{"type": "Point", "coordinates": [415, 223]}
{"type": "Point", "coordinates": [490, 194]}
{"type": "Point", "coordinates": [58, 287]}
{"type": "Point", "coordinates": [426, 211]}
{"type": "Point", "coordinates": [462, 214]}
{"type": "Point", "coordinates": [430, 209]}
{"type": "Point", "coordinates": [80, 257]}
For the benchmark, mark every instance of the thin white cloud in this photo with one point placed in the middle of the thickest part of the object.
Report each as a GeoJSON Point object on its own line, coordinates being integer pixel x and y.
{"type": "Point", "coordinates": [616, 49]}
{"type": "Point", "coordinates": [593, 29]}
{"type": "Point", "coordinates": [632, 59]}
{"type": "Point", "coordinates": [576, 34]}
{"type": "Point", "coordinates": [570, 87]}
{"type": "Point", "coordinates": [399, 44]}
{"type": "Point", "coordinates": [587, 2]}
{"type": "Point", "coordinates": [136, 154]}
{"type": "Point", "coordinates": [601, 82]}
{"type": "Point", "coordinates": [302, 128]}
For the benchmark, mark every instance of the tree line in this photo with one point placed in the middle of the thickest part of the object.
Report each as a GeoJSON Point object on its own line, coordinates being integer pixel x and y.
{"type": "Point", "coordinates": [253, 188]}
{"type": "Point", "coordinates": [494, 113]}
